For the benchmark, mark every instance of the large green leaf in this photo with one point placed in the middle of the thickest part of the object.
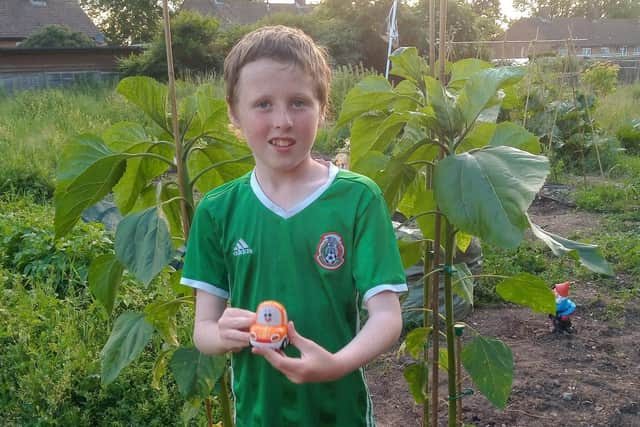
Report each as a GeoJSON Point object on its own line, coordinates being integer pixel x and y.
{"type": "Point", "coordinates": [505, 133]}
{"type": "Point", "coordinates": [196, 373]}
{"type": "Point", "coordinates": [149, 95]}
{"type": "Point", "coordinates": [143, 244]}
{"type": "Point", "coordinates": [159, 193]}
{"type": "Point", "coordinates": [139, 172]}
{"type": "Point", "coordinates": [371, 164]}
{"type": "Point", "coordinates": [162, 315]}
{"type": "Point", "coordinates": [408, 64]}
{"type": "Point", "coordinates": [416, 340]}
{"type": "Point", "coordinates": [105, 274]}
{"type": "Point", "coordinates": [160, 366]}
{"type": "Point", "coordinates": [410, 97]}
{"type": "Point", "coordinates": [122, 135]}
{"type": "Point", "coordinates": [447, 115]}
{"type": "Point", "coordinates": [373, 93]}
{"type": "Point", "coordinates": [81, 152]}
{"type": "Point", "coordinates": [130, 334]}
{"type": "Point", "coordinates": [462, 70]}
{"type": "Point", "coordinates": [481, 88]}
{"type": "Point", "coordinates": [418, 200]}
{"type": "Point", "coordinates": [410, 252]}
{"type": "Point", "coordinates": [588, 255]}
{"type": "Point", "coordinates": [86, 182]}
{"type": "Point", "coordinates": [237, 161]}
{"type": "Point", "coordinates": [417, 375]}
{"type": "Point", "coordinates": [513, 135]}
{"type": "Point", "coordinates": [363, 135]}
{"type": "Point", "coordinates": [394, 181]}
{"type": "Point", "coordinates": [487, 192]}
{"type": "Point", "coordinates": [463, 283]}
{"type": "Point", "coordinates": [528, 290]}
{"type": "Point", "coordinates": [490, 363]}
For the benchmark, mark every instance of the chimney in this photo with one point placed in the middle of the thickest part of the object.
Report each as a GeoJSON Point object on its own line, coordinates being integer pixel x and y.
{"type": "Point", "coordinates": [301, 3]}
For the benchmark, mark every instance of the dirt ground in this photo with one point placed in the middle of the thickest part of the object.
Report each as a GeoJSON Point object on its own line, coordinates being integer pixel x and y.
{"type": "Point", "coordinates": [590, 378]}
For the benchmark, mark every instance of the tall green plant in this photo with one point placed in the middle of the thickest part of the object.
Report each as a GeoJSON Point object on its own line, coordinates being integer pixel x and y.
{"type": "Point", "coordinates": [437, 150]}
{"type": "Point", "coordinates": [137, 164]}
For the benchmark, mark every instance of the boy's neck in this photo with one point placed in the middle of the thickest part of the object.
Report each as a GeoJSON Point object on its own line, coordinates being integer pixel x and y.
{"type": "Point", "coordinates": [286, 189]}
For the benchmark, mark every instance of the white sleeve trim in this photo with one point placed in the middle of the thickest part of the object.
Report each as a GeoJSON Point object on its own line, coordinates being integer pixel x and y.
{"type": "Point", "coordinates": [204, 286]}
{"type": "Point", "coordinates": [382, 288]}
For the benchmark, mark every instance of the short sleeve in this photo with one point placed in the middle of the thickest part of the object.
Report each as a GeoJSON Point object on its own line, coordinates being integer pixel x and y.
{"type": "Point", "coordinates": [204, 266]}
{"type": "Point", "coordinates": [377, 262]}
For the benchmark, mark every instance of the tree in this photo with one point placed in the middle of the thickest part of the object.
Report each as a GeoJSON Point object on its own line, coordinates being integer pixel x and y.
{"type": "Point", "coordinates": [197, 49]}
{"type": "Point", "coordinates": [126, 21]}
{"type": "Point", "coordinates": [57, 36]}
{"type": "Point", "coordinates": [590, 9]}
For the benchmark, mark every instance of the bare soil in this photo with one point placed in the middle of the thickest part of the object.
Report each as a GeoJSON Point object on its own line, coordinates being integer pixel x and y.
{"type": "Point", "coordinates": [589, 378]}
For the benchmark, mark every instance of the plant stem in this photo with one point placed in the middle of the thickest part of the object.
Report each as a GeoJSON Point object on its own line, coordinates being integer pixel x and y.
{"type": "Point", "coordinates": [427, 322]}
{"type": "Point", "coordinates": [435, 308]}
{"type": "Point", "coordinates": [182, 179]}
{"type": "Point", "coordinates": [449, 315]}
{"type": "Point", "coordinates": [227, 417]}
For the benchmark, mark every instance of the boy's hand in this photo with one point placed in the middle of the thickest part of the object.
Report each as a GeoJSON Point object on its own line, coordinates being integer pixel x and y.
{"type": "Point", "coordinates": [233, 328]}
{"type": "Point", "coordinates": [314, 365]}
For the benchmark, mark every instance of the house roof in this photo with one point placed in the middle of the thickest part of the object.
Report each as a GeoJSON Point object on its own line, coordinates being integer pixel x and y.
{"type": "Point", "coordinates": [242, 11]}
{"type": "Point", "coordinates": [20, 18]}
{"type": "Point", "coordinates": [605, 32]}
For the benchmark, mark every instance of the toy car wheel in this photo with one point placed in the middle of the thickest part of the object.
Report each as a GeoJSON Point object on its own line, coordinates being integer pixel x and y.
{"type": "Point", "coordinates": [285, 343]}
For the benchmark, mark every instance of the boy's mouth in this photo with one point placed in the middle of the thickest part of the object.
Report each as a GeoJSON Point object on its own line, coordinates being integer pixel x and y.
{"type": "Point", "coordinates": [281, 142]}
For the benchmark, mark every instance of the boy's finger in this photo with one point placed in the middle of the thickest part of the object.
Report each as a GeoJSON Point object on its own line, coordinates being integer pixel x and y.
{"type": "Point", "coordinates": [296, 339]}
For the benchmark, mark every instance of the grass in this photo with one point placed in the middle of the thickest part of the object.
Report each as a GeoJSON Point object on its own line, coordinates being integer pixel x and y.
{"type": "Point", "coordinates": [34, 125]}
{"type": "Point", "coordinates": [618, 107]}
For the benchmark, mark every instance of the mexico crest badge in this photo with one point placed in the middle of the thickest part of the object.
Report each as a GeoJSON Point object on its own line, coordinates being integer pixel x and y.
{"type": "Point", "coordinates": [330, 251]}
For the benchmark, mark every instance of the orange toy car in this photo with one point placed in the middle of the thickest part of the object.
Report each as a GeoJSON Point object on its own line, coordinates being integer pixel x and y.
{"type": "Point", "coordinates": [270, 329]}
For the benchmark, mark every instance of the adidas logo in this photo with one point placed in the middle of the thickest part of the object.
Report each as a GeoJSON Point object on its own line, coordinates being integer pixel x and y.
{"type": "Point", "coordinates": [241, 248]}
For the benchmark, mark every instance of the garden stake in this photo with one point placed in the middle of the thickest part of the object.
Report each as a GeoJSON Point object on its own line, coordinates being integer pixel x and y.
{"type": "Point", "coordinates": [448, 297]}
{"type": "Point", "coordinates": [459, 330]}
{"type": "Point", "coordinates": [182, 186]}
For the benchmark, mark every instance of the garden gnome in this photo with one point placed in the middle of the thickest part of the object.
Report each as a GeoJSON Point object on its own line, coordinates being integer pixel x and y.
{"type": "Point", "coordinates": [561, 321]}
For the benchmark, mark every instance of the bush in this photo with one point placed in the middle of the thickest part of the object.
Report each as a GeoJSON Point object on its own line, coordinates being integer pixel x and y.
{"type": "Point", "coordinates": [601, 77]}
{"type": "Point", "coordinates": [57, 36]}
{"type": "Point", "coordinates": [608, 197]}
{"type": "Point", "coordinates": [196, 49]}
{"type": "Point", "coordinates": [51, 340]}
{"type": "Point", "coordinates": [629, 136]}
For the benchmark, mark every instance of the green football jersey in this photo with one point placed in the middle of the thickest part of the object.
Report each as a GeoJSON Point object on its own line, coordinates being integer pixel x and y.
{"type": "Point", "coordinates": [322, 260]}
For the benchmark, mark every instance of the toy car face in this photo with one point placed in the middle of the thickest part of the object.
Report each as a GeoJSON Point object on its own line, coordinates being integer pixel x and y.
{"type": "Point", "coordinates": [270, 329]}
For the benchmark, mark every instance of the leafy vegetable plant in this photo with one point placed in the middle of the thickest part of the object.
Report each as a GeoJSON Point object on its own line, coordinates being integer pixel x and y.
{"type": "Point", "coordinates": [138, 165]}
{"type": "Point", "coordinates": [442, 160]}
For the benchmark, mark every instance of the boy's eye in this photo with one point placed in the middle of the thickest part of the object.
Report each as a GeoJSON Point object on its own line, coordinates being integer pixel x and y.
{"type": "Point", "coordinates": [263, 104]}
{"type": "Point", "coordinates": [298, 103]}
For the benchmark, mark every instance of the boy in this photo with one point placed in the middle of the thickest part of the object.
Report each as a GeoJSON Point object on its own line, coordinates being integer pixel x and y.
{"type": "Point", "coordinates": [301, 232]}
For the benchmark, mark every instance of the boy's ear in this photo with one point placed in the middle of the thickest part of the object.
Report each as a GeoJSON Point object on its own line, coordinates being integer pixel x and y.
{"type": "Point", "coordinates": [232, 115]}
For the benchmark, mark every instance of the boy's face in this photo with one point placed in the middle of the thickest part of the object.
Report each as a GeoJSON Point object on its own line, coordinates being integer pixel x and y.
{"type": "Point", "coordinates": [278, 113]}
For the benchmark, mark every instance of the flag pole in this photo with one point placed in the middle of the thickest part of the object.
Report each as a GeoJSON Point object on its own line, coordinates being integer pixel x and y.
{"type": "Point", "coordinates": [392, 34]}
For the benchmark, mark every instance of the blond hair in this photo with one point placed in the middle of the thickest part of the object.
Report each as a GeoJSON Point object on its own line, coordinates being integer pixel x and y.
{"type": "Point", "coordinates": [282, 44]}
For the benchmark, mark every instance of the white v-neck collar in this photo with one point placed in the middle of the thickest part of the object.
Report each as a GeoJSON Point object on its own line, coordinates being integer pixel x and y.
{"type": "Point", "coordinates": [288, 213]}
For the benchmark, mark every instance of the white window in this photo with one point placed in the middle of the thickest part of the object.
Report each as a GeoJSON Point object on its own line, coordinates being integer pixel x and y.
{"type": "Point", "coordinates": [605, 51]}
{"type": "Point", "coordinates": [623, 51]}
{"type": "Point", "coordinates": [586, 51]}
{"type": "Point", "coordinates": [563, 51]}
{"type": "Point", "coordinates": [636, 50]}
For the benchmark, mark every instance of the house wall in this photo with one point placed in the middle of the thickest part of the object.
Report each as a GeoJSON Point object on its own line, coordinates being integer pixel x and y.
{"type": "Point", "coordinates": [7, 43]}
{"type": "Point", "coordinates": [42, 68]}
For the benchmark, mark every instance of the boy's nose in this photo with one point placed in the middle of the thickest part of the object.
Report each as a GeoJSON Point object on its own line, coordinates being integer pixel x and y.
{"type": "Point", "coordinates": [283, 119]}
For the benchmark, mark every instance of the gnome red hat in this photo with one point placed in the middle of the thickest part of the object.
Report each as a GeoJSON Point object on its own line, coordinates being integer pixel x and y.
{"type": "Point", "coordinates": [562, 289]}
